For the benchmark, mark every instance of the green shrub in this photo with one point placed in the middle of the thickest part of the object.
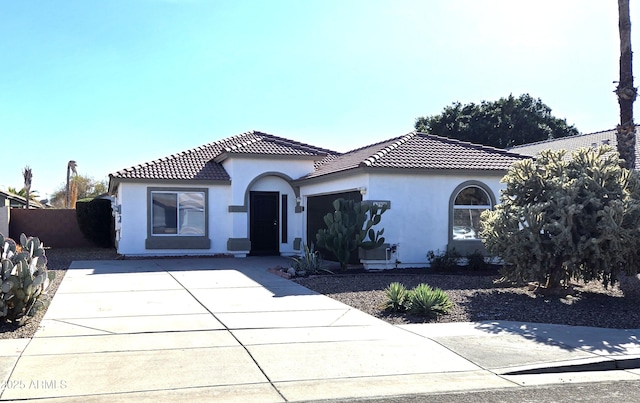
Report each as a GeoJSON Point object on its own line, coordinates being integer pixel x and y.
{"type": "Point", "coordinates": [432, 302]}
{"type": "Point", "coordinates": [396, 297]}
{"type": "Point", "coordinates": [443, 261]}
{"type": "Point", "coordinates": [95, 221]}
{"type": "Point", "coordinates": [24, 278]}
{"type": "Point", "coordinates": [476, 262]}
{"type": "Point", "coordinates": [310, 262]}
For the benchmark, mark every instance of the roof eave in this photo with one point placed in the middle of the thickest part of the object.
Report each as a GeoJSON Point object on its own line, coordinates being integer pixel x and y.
{"type": "Point", "coordinates": [114, 182]}
{"type": "Point", "coordinates": [362, 168]}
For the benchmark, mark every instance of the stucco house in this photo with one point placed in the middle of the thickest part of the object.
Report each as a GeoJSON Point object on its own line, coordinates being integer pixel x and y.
{"type": "Point", "coordinates": [259, 194]}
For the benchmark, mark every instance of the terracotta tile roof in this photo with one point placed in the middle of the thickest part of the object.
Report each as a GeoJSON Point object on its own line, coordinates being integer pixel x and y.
{"type": "Point", "coordinates": [204, 162]}
{"type": "Point", "coordinates": [421, 151]}
{"type": "Point", "coordinates": [411, 151]}
{"type": "Point", "coordinates": [573, 143]}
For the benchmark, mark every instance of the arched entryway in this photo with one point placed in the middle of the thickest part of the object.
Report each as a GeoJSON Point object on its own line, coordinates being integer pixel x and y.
{"type": "Point", "coordinates": [271, 202]}
{"type": "Point", "coordinates": [264, 226]}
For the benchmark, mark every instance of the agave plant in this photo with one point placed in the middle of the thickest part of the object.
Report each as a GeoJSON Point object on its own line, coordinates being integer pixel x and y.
{"type": "Point", "coordinates": [396, 297]}
{"type": "Point", "coordinates": [432, 302]}
{"type": "Point", "coordinates": [310, 262]}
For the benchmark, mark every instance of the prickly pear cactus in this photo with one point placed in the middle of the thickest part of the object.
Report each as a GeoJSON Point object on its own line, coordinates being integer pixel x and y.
{"type": "Point", "coordinates": [368, 238]}
{"type": "Point", "coordinates": [350, 227]}
{"type": "Point", "coordinates": [23, 278]}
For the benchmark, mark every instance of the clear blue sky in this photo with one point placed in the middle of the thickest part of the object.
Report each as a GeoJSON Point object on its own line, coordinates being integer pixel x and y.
{"type": "Point", "coordinates": [112, 84]}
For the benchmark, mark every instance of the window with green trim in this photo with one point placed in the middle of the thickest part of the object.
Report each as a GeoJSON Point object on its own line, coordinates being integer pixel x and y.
{"type": "Point", "coordinates": [468, 204]}
{"type": "Point", "coordinates": [178, 213]}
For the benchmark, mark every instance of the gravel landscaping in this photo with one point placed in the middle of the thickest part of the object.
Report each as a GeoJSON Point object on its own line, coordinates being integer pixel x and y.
{"type": "Point", "coordinates": [483, 297]}
{"type": "Point", "coordinates": [477, 296]}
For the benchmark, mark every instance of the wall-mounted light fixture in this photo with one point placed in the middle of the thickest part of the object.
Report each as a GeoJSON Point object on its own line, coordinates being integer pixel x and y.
{"type": "Point", "coordinates": [299, 208]}
{"type": "Point", "coordinates": [363, 190]}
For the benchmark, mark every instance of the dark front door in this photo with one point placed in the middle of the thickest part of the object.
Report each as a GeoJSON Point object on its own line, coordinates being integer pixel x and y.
{"type": "Point", "coordinates": [264, 223]}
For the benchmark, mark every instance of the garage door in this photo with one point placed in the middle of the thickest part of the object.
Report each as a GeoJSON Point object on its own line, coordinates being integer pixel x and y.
{"type": "Point", "coordinates": [317, 208]}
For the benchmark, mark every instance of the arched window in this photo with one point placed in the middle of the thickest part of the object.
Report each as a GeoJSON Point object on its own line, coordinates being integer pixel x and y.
{"type": "Point", "coordinates": [468, 204]}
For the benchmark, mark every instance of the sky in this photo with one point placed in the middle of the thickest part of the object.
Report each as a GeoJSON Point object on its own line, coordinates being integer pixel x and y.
{"type": "Point", "coordinates": [113, 84]}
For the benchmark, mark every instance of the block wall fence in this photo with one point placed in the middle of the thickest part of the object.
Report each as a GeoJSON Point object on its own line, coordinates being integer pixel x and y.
{"type": "Point", "coordinates": [57, 228]}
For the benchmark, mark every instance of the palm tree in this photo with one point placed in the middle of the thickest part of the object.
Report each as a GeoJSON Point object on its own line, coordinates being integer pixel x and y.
{"type": "Point", "coordinates": [71, 167]}
{"type": "Point", "coordinates": [626, 92]}
{"type": "Point", "coordinates": [28, 176]}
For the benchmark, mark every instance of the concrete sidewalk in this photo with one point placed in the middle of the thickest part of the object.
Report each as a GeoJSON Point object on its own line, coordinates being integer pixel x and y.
{"type": "Point", "coordinates": [210, 329]}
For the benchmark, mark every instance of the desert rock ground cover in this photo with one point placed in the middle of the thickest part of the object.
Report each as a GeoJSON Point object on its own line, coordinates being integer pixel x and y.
{"type": "Point", "coordinates": [483, 297]}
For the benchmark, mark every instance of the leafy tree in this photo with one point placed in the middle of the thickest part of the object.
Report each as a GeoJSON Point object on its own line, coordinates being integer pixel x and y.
{"type": "Point", "coordinates": [504, 123]}
{"type": "Point", "coordinates": [626, 130]}
{"type": "Point", "coordinates": [87, 188]}
{"type": "Point", "coordinates": [562, 219]}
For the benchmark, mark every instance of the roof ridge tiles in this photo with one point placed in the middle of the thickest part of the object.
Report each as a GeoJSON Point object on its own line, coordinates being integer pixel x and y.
{"type": "Point", "coordinates": [469, 144]}
{"type": "Point", "coordinates": [386, 150]}
{"type": "Point", "coordinates": [237, 146]}
{"type": "Point", "coordinates": [202, 147]}
{"type": "Point", "coordinates": [229, 144]}
{"type": "Point", "coordinates": [289, 142]}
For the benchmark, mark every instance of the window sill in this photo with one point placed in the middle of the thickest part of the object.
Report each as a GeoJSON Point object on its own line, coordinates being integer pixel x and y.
{"type": "Point", "coordinates": [178, 242]}
{"type": "Point", "coordinates": [467, 246]}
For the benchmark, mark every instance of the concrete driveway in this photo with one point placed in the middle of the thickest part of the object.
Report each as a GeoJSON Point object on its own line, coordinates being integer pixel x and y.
{"type": "Point", "coordinates": [207, 329]}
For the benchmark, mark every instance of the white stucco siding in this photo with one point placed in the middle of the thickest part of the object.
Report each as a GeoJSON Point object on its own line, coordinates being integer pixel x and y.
{"type": "Point", "coordinates": [220, 221]}
{"type": "Point", "coordinates": [245, 170]}
{"type": "Point", "coordinates": [133, 216]}
{"type": "Point", "coordinates": [418, 220]}
{"type": "Point", "coordinates": [133, 219]}
{"type": "Point", "coordinates": [347, 183]}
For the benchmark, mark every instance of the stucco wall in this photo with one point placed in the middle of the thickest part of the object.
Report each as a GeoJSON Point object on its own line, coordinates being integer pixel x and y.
{"type": "Point", "coordinates": [419, 216]}
{"type": "Point", "coordinates": [248, 174]}
{"type": "Point", "coordinates": [57, 228]}
{"type": "Point", "coordinates": [4, 220]}
{"type": "Point", "coordinates": [245, 170]}
{"type": "Point", "coordinates": [132, 223]}
{"type": "Point", "coordinates": [418, 220]}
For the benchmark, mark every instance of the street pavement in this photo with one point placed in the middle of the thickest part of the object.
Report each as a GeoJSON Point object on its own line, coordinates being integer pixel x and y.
{"type": "Point", "coordinates": [224, 329]}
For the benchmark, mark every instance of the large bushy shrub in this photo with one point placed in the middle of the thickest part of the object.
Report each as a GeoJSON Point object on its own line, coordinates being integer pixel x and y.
{"type": "Point", "coordinates": [95, 221]}
{"type": "Point", "coordinates": [560, 219]}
